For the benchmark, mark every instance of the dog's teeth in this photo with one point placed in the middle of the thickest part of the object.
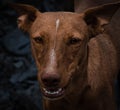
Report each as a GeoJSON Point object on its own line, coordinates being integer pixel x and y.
{"type": "Point", "coordinates": [52, 93]}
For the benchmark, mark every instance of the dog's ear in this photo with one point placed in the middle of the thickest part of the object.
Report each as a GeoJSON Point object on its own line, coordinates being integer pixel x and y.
{"type": "Point", "coordinates": [99, 16]}
{"type": "Point", "coordinates": [27, 15]}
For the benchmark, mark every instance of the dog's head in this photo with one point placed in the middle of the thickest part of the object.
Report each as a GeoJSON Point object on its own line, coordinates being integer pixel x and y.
{"type": "Point", "coordinates": [59, 42]}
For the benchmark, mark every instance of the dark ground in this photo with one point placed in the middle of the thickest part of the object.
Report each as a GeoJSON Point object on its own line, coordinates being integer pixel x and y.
{"type": "Point", "coordinates": [19, 89]}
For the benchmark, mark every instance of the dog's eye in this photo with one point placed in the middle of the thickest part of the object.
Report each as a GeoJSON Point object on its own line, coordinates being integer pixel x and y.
{"type": "Point", "coordinates": [73, 41]}
{"type": "Point", "coordinates": [38, 40]}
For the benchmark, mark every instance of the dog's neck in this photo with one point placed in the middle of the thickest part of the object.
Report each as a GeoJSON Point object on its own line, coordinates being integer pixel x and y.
{"type": "Point", "coordinates": [72, 102]}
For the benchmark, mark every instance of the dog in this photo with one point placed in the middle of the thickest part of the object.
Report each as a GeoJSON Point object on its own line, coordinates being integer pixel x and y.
{"type": "Point", "coordinates": [77, 60]}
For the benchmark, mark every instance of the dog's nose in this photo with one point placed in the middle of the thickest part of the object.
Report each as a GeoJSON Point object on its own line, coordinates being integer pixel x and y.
{"type": "Point", "coordinates": [50, 79]}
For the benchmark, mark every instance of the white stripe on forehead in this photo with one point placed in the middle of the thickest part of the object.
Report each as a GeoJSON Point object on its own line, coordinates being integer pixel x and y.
{"type": "Point", "coordinates": [57, 24]}
{"type": "Point", "coordinates": [52, 54]}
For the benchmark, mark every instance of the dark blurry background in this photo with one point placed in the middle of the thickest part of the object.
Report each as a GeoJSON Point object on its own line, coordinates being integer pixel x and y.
{"type": "Point", "coordinates": [19, 89]}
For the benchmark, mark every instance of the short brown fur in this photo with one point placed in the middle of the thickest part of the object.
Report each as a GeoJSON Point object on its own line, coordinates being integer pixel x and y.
{"type": "Point", "coordinates": [78, 56]}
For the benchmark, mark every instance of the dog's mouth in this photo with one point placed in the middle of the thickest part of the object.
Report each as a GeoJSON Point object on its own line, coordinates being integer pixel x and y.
{"type": "Point", "coordinates": [53, 93]}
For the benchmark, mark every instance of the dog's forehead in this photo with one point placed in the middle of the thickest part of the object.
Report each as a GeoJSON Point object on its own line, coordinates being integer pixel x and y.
{"type": "Point", "coordinates": [54, 21]}
{"type": "Point", "coordinates": [61, 15]}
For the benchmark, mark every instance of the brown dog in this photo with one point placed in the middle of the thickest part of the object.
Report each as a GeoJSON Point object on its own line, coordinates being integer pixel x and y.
{"type": "Point", "coordinates": [77, 62]}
